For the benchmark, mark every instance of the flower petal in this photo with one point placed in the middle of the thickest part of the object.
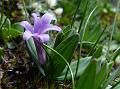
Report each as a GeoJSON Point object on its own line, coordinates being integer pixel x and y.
{"type": "Point", "coordinates": [36, 22]}
{"type": "Point", "coordinates": [41, 55]}
{"type": "Point", "coordinates": [44, 38]}
{"type": "Point", "coordinates": [47, 18]}
{"type": "Point", "coordinates": [40, 51]}
{"type": "Point", "coordinates": [27, 34]}
{"type": "Point", "coordinates": [27, 26]}
{"type": "Point", "coordinates": [51, 27]}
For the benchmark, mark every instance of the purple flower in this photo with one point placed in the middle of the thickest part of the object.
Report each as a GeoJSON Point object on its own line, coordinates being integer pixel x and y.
{"type": "Point", "coordinates": [38, 32]}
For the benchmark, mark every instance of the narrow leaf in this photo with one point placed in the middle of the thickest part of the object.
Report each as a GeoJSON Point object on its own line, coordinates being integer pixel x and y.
{"type": "Point", "coordinates": [66, 49]}
{"type": "Point", "coordinates": [84, 62]}
{"type": "Point", "coordinates": [87, 79]}
{"type": "Point", "coordinates": [97, 53]}
{"type": "Point", "coordinates": [101, 75]}
{"type": "Point", "coordinates": [112, 76]}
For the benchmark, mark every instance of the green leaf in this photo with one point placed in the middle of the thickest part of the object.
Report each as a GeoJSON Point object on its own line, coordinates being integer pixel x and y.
{"type": "Point", "coordinates": [98, 52]}
{"type": "Point", "coordinates": [82, 66]}
{"type": "Point", "coordinates": [87, 79]}
{"type": "Point", "coordinates": [33, 53]}
{"type": "Point", "coordinates": [59, 39]}
{"type": "Point", "coordinates": [101, 75]}
{"type": "Point", "coordinates": [92, 36]}
{"type": "Point", "coordinates": [18, 27]}
{"type": "Point", "coordinates": [5, 22]}
{"type": "Point", "coordinates": [111, 77]}
{"type": "Point", "coordinates": [14, 32]}
{"type": "Point", "coordinates": [1, 54]}
{"type": "Point", "coordinates": [63, 35]}
{"type": "Point", "coordinates": [91, 51]}
{"type": "Point", "coordinates": [7, 31]}
{"type": "Point", "coordinates": [66, 49]}
{"type": "Point", "coordinates": [45, 46]}
{"type": "Point", "coordinates": [1, 51]}
{"type": "Point", "coordinates": [87, 44]}
{"type": "Point", "coordinates": [116, 53]}
{"type": "Point", "coordinates": [117, 86]}
{"type": "Point", "coordinates": [68, 6]}
{"type": "Point", "coordinates": [31, 48]}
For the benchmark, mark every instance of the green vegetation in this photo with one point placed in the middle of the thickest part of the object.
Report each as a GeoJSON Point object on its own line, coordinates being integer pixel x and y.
{"type": "Point", "coordinates": [83, 54]}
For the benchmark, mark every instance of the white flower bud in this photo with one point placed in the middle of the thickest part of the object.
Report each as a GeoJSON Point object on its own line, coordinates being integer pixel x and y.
{"type": "Point", "coordinates": [35, 5]}
{"type": "Point", "coordinates": [51, 3]}
{"type": "Point", "coordinates": [58, 11]}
